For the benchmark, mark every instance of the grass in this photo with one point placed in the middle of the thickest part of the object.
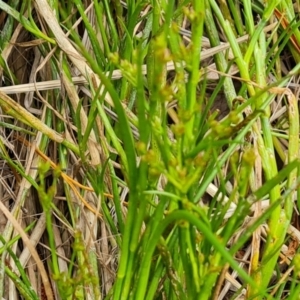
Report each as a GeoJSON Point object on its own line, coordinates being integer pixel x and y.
{"type": "Point", "coordinates": [149, 149]}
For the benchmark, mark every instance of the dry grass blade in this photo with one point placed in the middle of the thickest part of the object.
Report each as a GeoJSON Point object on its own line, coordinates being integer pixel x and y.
{"type": "Point", "coordinates": [34, 239]}
{"type": "Point", "coordinates": [63, 42]}
{"type": "Point", "coordinates": [285, 24]}
{"type": "Point", "coordinates": [14, 109]}
{"type": "Point", "coordinates": [117, 74]}
{"type": "Point", "coordinates": [72, 183]}
{"type": "Point", "coordinates": [32, 250]}
{"type": "Point", "coordinates": [92, 142]}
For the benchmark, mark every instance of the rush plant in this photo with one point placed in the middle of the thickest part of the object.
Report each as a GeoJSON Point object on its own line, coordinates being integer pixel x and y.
{"type": "Point", "coordinates": [149, 149]}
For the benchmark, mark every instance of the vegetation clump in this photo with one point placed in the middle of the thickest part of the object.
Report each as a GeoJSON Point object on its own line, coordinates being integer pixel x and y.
{"type": "Point", "coordinates": [149, 149]}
